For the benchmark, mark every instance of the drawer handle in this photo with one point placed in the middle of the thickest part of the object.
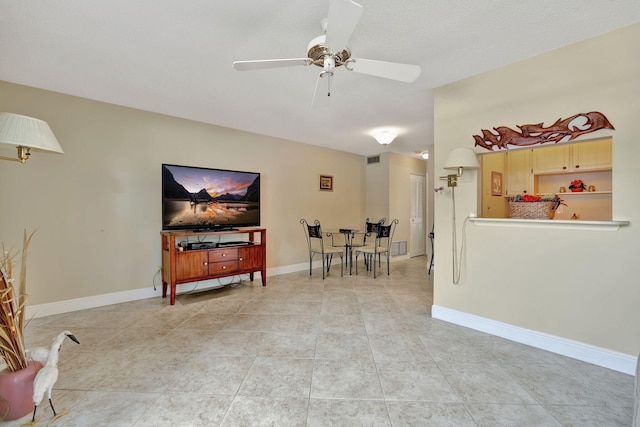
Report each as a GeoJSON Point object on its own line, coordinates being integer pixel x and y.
{"type": "Point", "coordinates": [577, 166]}
{"type": "Point", "coordinates": [205, 263]}
{"type": "Point", "coordinates": [224, 254]}
{"type": "Point", "coordinates": [240, 258]}
{"type": "Point", "coordinates": [224, 267]}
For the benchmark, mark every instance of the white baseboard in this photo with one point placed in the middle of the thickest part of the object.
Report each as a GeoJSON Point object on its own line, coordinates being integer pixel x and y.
{"type": "Point", "coordinates": [292, 268]}
{"type": "Point", "coordinates": [585, 352]}
{"type": "Point", "coordinates": [316, 264]}
{"type": "Point", "coordinates": [77, 304]}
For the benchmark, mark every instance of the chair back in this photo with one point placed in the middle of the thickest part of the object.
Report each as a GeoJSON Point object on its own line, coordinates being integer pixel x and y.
{"type": "Point", "coordinates": [371, 228]}
{"type": "Point", "coordinates": [313, 234]}
{"type": "Point", "coordinates": [384, 234]}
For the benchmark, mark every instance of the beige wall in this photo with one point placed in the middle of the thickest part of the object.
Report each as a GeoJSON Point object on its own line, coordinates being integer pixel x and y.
{"type": "Point", "coordinates": [97, 207]}
{"type": "Point", "coordinates": [400, 170]}
{"type": "Point", "coordinates": [388, 189]}
{"type": "Point", "coordinates": [579, 285]}
{"type": "Point", "coordinates": [377, 189]}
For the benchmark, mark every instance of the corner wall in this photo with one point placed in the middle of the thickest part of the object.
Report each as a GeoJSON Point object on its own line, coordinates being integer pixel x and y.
{"type": "Point", "coordinates": [574, 284]}
{"type": "Point", "coordinates": [388, 191]}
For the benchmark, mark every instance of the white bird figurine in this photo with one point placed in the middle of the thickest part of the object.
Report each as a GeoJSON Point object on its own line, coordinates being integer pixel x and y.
{"type": "Point", "coordinates": [40, 354]}
{"type": "Point", "coordinates": [48, 375]}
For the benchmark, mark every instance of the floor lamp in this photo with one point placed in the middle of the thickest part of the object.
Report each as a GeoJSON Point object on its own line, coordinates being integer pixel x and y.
{"type": "Point", "coordinates": [458, 159]}
{"type": "Point", "coordinates": [26, 133]}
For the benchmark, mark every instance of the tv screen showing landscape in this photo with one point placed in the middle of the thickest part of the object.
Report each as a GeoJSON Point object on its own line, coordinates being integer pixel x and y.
{"type": "Point", "coordinates": [209, 199]}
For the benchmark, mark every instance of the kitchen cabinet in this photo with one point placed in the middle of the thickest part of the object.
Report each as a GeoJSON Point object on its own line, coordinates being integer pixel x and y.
{"type": "Point", "coordinates": [554, 159]}
{"type": "Point", "coordinates": [590, 161]}
{"type": "Point", "coordinates": [544, 170]}
{"type": "Point", "coordinates": [518, 168]}
{"type": "Point", "coordinates": [569, 158]}
{"type": "Point", "coordinates": [592, 155]}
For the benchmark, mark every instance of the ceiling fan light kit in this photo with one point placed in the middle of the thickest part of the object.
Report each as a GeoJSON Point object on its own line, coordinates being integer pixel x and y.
{"type": "Point", "coordinates": [321, 51]}
{"type": "Point", "coordinates": [317, 51]}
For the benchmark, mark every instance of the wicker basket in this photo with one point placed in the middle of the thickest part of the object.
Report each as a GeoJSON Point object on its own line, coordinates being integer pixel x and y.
{"type": "Point", "coordinates": [531, 210]}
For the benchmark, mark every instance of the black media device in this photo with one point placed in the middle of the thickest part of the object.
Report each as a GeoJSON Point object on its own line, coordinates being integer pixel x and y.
{"type": "Point", "coordinates": [234, 243]}
{"type": "Point", "coordinates": [206, 199]}
{"type": "Point", "coordinates": [200, 245]}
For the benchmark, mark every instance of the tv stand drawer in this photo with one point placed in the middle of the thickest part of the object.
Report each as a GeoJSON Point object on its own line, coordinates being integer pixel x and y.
{"type": "Point", "coordinates": [223, 267]}
{"type": "Point", "coordinates": [217, 255]}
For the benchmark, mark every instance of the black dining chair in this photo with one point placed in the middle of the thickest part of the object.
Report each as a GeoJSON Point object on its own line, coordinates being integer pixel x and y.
{"type": "Point", "coordinates": [370, 230]}
{"type": "Point", "coordinates": [382, 245]}
{"type": "Point", "coordinates": [316, 244]}
{"type": "Point", "coordinates": [360, 239]}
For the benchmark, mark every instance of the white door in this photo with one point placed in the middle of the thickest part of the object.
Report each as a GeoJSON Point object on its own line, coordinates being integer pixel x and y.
{"type": "Point", "coordinates": [418, 235]}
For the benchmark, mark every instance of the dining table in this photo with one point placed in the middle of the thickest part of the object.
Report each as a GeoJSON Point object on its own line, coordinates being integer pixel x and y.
{"type": "Point", "coordinates": [350, 239]}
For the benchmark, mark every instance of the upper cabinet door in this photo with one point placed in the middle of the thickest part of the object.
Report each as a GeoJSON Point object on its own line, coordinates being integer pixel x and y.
{"type": "Point", "coordinates": [551, 159]}
{"type": "Point", "coordinates": [518, 172]}
{"type": "Point", "coordinates": [592, 155]}
{"type": "Point", "coordinates": [576, 157]}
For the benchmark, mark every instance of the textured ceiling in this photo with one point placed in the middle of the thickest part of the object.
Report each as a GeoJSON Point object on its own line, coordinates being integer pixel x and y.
{"type": "Point", "coordinates": [174, 57]}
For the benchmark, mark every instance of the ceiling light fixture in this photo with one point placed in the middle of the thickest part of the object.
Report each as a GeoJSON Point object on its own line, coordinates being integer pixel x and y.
{"type": "Point", "coordinates": [26, 133]}
{"type": "Point", "coordinates": [423, 154]}
{"type": "Point", "coordinates": [385, 136]}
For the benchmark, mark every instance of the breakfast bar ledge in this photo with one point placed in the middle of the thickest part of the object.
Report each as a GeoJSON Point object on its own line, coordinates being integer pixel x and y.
{"type": "Point", "coordinates": [550, 223]}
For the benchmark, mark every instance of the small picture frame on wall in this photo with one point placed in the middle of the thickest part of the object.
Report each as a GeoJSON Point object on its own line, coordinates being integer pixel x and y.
{"type": "Point", "coordinates": [326, 183]}
{"type": "Point", "coordinates": [496, 184]}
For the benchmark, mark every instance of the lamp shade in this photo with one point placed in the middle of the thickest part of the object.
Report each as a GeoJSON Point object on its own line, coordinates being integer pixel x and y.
{"type": "Point", "coordinates": [462, 158]}
{"type": "Point", "coordinates": [23, 131]}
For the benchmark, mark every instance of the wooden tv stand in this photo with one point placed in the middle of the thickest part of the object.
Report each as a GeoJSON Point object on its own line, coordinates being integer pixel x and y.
{"type": "Point", "coordinates": [183, 265]}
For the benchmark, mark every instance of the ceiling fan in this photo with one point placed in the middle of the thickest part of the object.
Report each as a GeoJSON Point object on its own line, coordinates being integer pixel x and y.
{"type": "Point", "coordinates": [331, 50]}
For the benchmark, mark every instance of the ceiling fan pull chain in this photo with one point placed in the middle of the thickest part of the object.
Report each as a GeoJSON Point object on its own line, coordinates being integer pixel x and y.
{"type": "Point", "coordinates": [329, 66]}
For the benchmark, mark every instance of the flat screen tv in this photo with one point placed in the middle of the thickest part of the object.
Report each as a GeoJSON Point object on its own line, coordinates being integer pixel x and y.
{"type": "Point", "coordinates": [196, 198]}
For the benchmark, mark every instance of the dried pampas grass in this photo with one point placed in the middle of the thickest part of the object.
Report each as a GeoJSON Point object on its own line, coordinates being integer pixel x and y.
{"type": "Point", "coordinates": [12, 308]}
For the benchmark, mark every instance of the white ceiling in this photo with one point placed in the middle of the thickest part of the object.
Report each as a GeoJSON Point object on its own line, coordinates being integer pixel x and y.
{"type": "Point", "coordinates": [174, 57]}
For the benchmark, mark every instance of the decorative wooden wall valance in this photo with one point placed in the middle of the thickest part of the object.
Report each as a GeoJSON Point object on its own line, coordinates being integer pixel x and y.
{"type": "Point", "coordinates": [562, 130]}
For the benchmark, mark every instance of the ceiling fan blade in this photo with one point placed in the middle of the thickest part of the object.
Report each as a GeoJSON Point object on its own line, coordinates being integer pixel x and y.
{"type": "Point", "coordinates": [269, 63]}
{"type": "Point", "coordinates": [389, 70]}
{"type": "Point", "coordinates": [322, 94]}
{"type": "Point", "coordinates": [342, 20]}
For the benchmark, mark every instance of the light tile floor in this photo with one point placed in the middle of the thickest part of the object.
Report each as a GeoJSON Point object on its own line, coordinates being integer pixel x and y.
{"type": "Point", "coordinates": [345, 351]}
